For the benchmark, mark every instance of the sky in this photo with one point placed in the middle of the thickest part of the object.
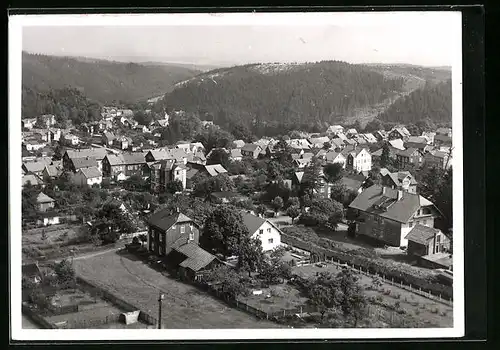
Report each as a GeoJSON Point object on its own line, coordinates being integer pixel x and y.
{"type": "Point", "coordinates": [416, 38]}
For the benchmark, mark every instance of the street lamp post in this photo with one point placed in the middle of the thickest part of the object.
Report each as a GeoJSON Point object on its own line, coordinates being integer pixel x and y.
{"type": "Point", "coordinates": [160, 299]}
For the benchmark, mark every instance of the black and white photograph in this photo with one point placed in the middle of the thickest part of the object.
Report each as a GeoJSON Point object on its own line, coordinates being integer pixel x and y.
{"type": "Point", "coordinates": [236, 176]}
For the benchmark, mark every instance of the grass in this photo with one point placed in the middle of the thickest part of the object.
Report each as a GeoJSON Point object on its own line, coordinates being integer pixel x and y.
{"type": "Point", "coordinates": [283, 296]}
{"type": "Point", "coordinates": [185, 306]}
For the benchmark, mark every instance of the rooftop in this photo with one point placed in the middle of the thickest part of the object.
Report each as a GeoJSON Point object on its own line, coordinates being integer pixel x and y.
{"type": "Point", "coordinates": [421, 234]}
{"type": "Point", "coordinates": [164, 219]}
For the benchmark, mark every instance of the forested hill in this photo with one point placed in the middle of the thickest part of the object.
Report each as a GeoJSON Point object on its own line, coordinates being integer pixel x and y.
{"type": "Point", "coordinates": [324, 91]}
{"type": "Point", "coordinates": [430, 102]}
{"type": "Point", "coordinates": [103, 81]}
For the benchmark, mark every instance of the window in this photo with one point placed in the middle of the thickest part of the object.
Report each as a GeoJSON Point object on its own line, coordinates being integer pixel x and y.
{"type": "Point", "coordinates": [438, 239]}
{"type": "Point", "coordinates": [191, 236]}
{"type": "Point", "coordinates": [183, 229]}
{"type": "Point", "coordinates": [269, 230]}
{"type": "Point", "coordinates": [270, 240]}
{"type": "Point", "coordinates": [411, 223]}
{"type": "Point", "coordinates": [261, 231]}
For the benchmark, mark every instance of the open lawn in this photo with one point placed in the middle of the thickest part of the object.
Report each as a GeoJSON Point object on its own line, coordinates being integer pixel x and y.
{"type": "Point", "coordinates": [282, 296]}
{"type": "Point", "coordinates": [417, 307]}
{"type": "Point", "coordinates": [185, 306]}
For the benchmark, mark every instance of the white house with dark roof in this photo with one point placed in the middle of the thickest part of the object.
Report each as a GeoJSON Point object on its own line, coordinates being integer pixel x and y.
{"type": "Point", "coordinates": [335, 157]}
{"type": "Point", "coordinates": [87, 176]}
{"type": "Point", "coordinates": [359, 160]}
{"type": "Point", "coordinates": [387, 215]}
{"type": "Point", "coordinates": [401, 180]}
{"type": "Point", "coordinates": [335, 129]}
{"type": "Point", "coordinates": [262, 229]}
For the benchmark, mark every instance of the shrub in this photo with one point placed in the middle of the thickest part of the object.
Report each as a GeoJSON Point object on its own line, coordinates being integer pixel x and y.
{"type": "Point", "coordinates": [398, 296]}
{"type": "Point", "coordinates": [417, 312]}
{"type": "Point", "coordinates": [39, 299]}
{"type": "Point", "coordinates": [397, 304]}
{"type": "Point", "coordinates": [380, 298]}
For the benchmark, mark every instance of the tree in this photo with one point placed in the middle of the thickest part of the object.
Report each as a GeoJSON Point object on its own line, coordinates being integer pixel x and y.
{"type": "Point", "coordinates": [322, 212]}
{"type": "Point", "coordinates": [260, 210]}
{"type": "Point", "coordinates": [228, 280]}
{"type": "Point", "coordinates": [333, 172]}
{"type": "Point", "coordinates": [219, 156]}
{"type": "Point", "coordinates": [293, 211]}
{"type": "Point", "coordinates": [277, 204]}
{"type": "Point", "coordinates": [322, 293]}
{"type": "Point", "coordinates": [208, 185]}
{"type": "Point", "coordinates": [142, 117]}
{"type": "Point", "coordinates": [65, 273]}
{"type": "Point", "coordinates": [250, 255]}
{"type": "Point", "coordinates": [174, 187]}
{"type": "Point", "coordinates": [385, 158]}
{"type": "Point", "coordinates": [293, 201]}
{"type": "Point", "coordinates": [336, 215]}
{"type": "Point", "coordinates": [214, 137]}
{"type": "Point", "coordinates": [242, 132]}
{"type": "Point", "coordinates": [111, 222]}
{"type": "Point", "coordinates": [143, 238]}
{"type": "Point", "coordinates": [275, 270]}
{"type": "Point", "coordinates": [431, 182]}
{"type": "Point", "coordinates": [283, 153]}
{"type": "Point", "coordinates": [443, 199]}
{"type": "Point", "coordinates": [135, 183]}
{"type": "Point", "coordinates": [311, 178]}
{"type": "Point", "coordinates": [223, 231]}
{"type": "Point", "coordinates": [350, 297]}
{"type": "Point", "coordinates": [274, 171]}
{"type": "Point", "coordinates": [340, 193]}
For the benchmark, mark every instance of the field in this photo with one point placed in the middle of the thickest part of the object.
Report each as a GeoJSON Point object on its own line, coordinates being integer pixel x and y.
{"type": "Point", "coordinates": [422, 310]}
{"type": "Point", "coordinates": [282, 296]}
{"type": "Point", "coordinates": [184, 306]}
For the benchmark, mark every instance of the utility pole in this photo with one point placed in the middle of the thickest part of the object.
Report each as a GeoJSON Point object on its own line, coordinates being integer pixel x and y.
{"type": "Point", "coordinates": [160, 299]}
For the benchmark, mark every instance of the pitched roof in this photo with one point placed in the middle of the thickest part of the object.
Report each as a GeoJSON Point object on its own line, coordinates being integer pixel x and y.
{"type": "Point", "coordinates": [250, 147]}
{"type": "Point", "coordinates": [36, 166]}
{"type": "Point", "coordinates": [443, 138]}
{"type": "Point", "coordinates": [384, 171]}
{"type": "Point", "coordinates": [127, 158]}
{"type": "Point", "coordinates": [215, 169]}
{"type": "Point", "coordinates": [403, 131]}
{"type": "Point", "coordinates": [400, 211]}
{"type": "Point", "coordinates": [443, 131]}
{"type": "Point", "coordinates": [416, 139]}
{"type": "Point", "coordinates": [97, 153]}
{"type": "Point", "coordinates": [331, 156]}
{"type": "Point", "coordinates": [165, 153]}
{"type": "Point", "coordinates": [81, 163]}
{"type": "Point", "coordinates": [421, 234]}
{"type": "Point", "coordinates": [299, 175]}
{"type": "Point", "coordinates": [109, 135]}
{"type": "Point", "coordinates": [398, 143]}
{"type": "Point", "coordinates": [236, 153]}
{"type": "Point", "coordinates": [338, 142]}
{"type": "Point", "coordinates": [398, 177]}
{"type": "Point", "coordinates": [407, 152]}
{"type": "Point", "coordinates": [227, 194]}
{"type": "Point", "coordinates": [164, 219]}
{"type": "Point", "coordinates": [319, 140]}
{"type": "Point", "coordinates": [43, 198]}
{"type": "Point", "coordinates": [353, 182]}
{"type": "Point", "coordinates": [239, 143]}
{"type": "Point", "coordinates": [197, 258]}
{"type": "Point", "coordinates": [91, 172]}
{"type": "Point", "coordinates": [369, 137]}
{"type": "Point", "coordinates": [33, 179]}
{"type": "Point", "coordinates": [252, 222]}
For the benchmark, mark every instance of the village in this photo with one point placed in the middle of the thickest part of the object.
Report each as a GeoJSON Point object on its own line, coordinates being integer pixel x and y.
{"type": "Point", "coordinates": [255, 234]}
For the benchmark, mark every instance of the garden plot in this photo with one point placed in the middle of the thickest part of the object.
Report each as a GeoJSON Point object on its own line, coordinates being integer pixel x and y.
{"type": "Point", "coordinates": [275, 299]}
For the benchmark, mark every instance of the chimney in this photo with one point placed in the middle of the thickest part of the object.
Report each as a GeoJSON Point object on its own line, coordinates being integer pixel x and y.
{"type": "Point", "coordinates": [400, 194]}
{"type": "Point", "coordinates": [177, 209]}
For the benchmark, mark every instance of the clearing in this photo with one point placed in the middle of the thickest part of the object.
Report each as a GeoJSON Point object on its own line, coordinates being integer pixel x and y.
{"type": "Point", "coordinates": [185, 306]}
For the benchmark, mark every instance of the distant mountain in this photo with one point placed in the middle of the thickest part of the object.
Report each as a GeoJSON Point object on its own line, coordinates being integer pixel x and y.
{"type": "Point", "coordinates": [101, 80]}
{"type": "Point", "coordinates": [433, 102]}
{"type": "Point", "coordinates": [324, 91]}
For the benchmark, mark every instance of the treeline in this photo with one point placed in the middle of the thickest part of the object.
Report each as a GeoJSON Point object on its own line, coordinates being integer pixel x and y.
{"type": "Point", "coordinates": [432, 102]}
{"type": "Point", "coordinates": [66, 104]}
{"type": "Point", "coordinates": [104, 81]}
{"type": "Point", "coordinates": [321, 91]}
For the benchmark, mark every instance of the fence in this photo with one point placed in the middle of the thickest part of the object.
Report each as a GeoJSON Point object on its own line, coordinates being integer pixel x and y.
{"type": "Point", "coordinates": [427, 289]}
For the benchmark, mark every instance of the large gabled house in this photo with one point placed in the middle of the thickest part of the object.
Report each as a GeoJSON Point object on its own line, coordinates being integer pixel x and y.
{"type": "Point", "coordinates": [430, 246]}
{"type": "Point", "coordinates": [438, 159]}
{"type": "Point", "coordinates": [179, 155]}
{"type": "Point", "coordinates": [108, 138]}
{"type": "Point", "coordinates": [442, 140]}
{"type": "Point", "coordinates": [251, 150]}
{"type": "Point", "coordinates": [262, 229]}
{"type": "Point", "coordinates": [51, 172]}
{"type": "Point", "coordinates": [36, 167]}
{"type": "Point", "coordinates": [399, 133]}
{"type": "Point", "coordinates": [387, 215]}
{"type": "Point", "coordinates": [410, 156]}
{"type": "Point", "coordinates": [166, 171]}
{"type": "Point", "coordinates": [335, 129]}
{"type": "Point", "coordinates": [359, 160]}
{"type": "Point", "coordinates": [335, 157]}
{"type": "Point", "coordinates": [122, 166]}
{"type": "Point", "coordinates": [70, 156]}
{"type": "Point", "coordinates": [418, 142]}
{"type": "Point", "coordinates": [44, 202]}
{"type": "Point", "coordinates": [87, 176]}
{"type": "Point", "coordinates": [175, 237]}
{"type": "Point", "coordinates": [401, 180]}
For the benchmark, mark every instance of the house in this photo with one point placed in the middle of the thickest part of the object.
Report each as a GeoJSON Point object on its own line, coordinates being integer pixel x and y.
{"type": "Point", "coordinates": [377, 155]}
{"type": "Point", "coordinates": [387, 215]}
{"type": "Point", "coordinates": [55, 134]}
{"type": "Point", "coordinates": [402, 180]}
{"type": "Point", "coordinates": [360, 140]}
{"type": "Point", "coordinates": [369, 137]}
{"type": "Point", "coordinates": [32, 272]}
{"type": "Point", "coordinates": [44, 202]}
{"type": "Point", "coordinates": [398, 133]}
{"type": "Point", "coordinates": [28, 123]}
{"type": "Point", "coordinates": [299, 143]}
{"type": "Point", "coordinates": [418, 142]}
{"type": "Point", "coordinates": [105, 125]}
{"type": "Point", "coordinates": [190, 147]}
{"type": "Point", "coordinates": [238, 143]}
{"type": "Point", "coordinates": [341, 136]}
{"type": "Point", "coordinates": [161, 123]}
{"type": "Point", "coordinates": [381, 135]}
{"type": "Point", "coordinates": [34, 144]}
{"type": "Point", "coordinates": [251, 150]}
{"type": "Point", "coordinates": [97, 154]}
{"type": "Point", "coordinates": [70, 139]}
{"type": "Point", "coordinates": [31, 179]}
{"type": "Point", "coordinates": [411, 156]}
{"type": "Point", "coordinates": [36, 167]}
{"type": "Point", "coordinates": [444, 132]}
{"type": "Point", "coordinates": [302, 163]}
{"type": "Point", "coordinates": [167, 230]}
{"type": "Point", "coordinates": [442, 140]}
{"type": "Point", "coordinates": [425, 240]}
{"type": "Point", "coordinates": [214, 169]}
{"type": "Point", "coordinates": [141, 128]}
{"type": "Point", "coordinates": [197, 158]}
{"type": "Point", "coordinates": [397, 143]}
{"type": "Point", "coordinates": [87, 176]}
{"type": "Point", "coordinates": [335, 157]}
{"type": "Point", "coordinates": [429, 136]}
{"type": "Point", "coordinates": [48, 120]}
{"type": "Point", "coordinates": [351, 133]}
{"type": "Point", "coordinates": [51, 172]}
{"type": "Point", "coordinates": [359, 160]}
{"type": "Point", "coordinates": [227, 197]}
{"type": "Point", "coordinates": [262, 229]}
{"type": "Point", "coordinates": [350, 142]}
{"type": "Point", "coordinates": [207, 123]}
{"type": "Point", "coordinates": [166, 171]}
{"type": "Point", "coordinates": [318, 142]}
{"type": "Point", "coordinates": [127, 164]}
{"type": "Point", "coordinates": [335, 129]}
{"type": "Point", "coordinates": [438, 159]}
{"type": "Point", "coordinates": [236, 155]}
{"type": "Point", "coordinates": [122, 142]}
{"type": "Point", "coordinates": [337, 144]}
{"type": "Point", "coordinates": [108, 138]}
{"type": "Point", "coordinates": [158, 154]}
